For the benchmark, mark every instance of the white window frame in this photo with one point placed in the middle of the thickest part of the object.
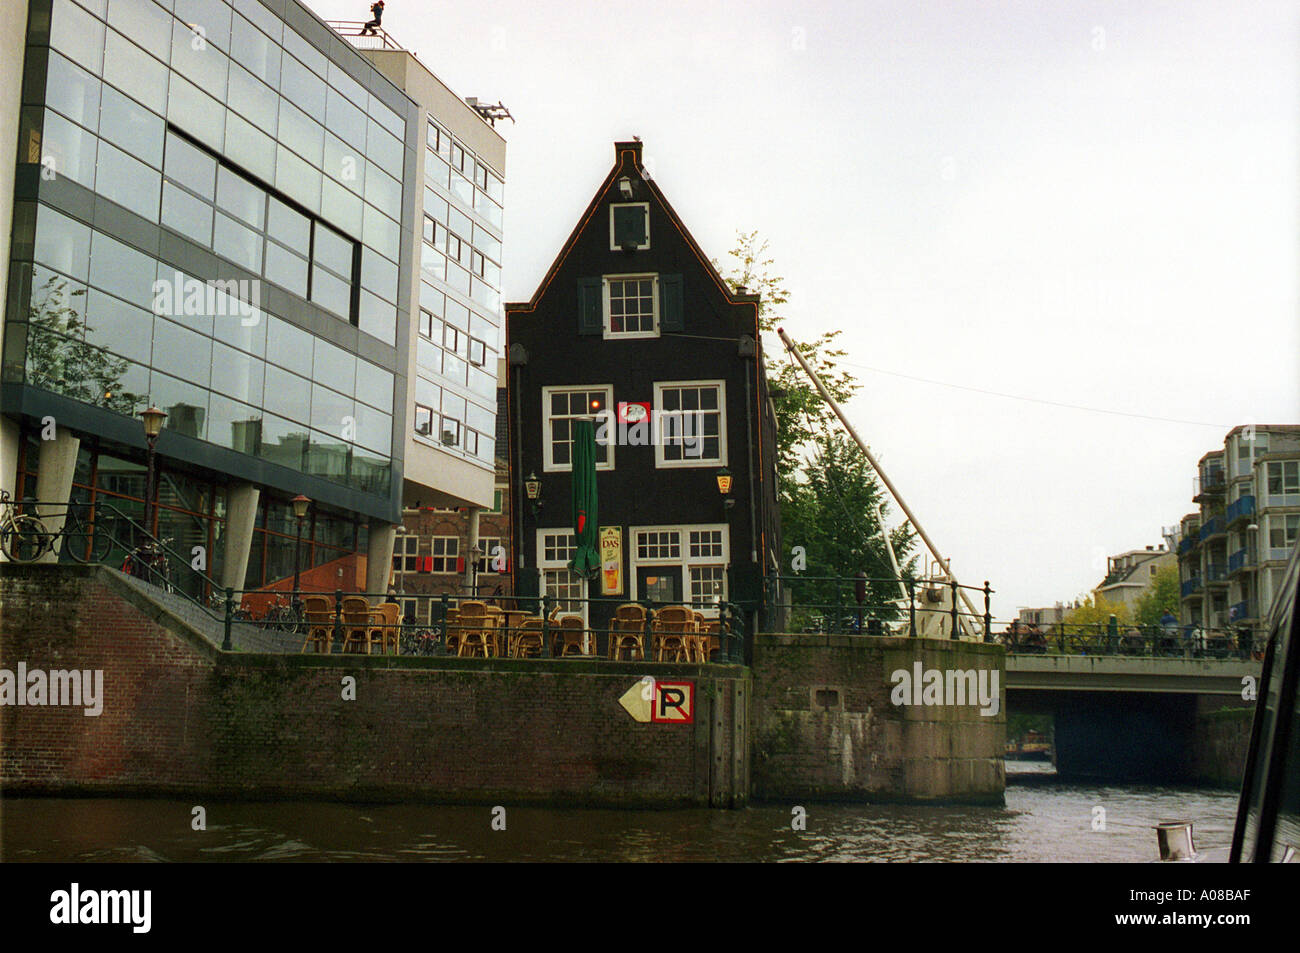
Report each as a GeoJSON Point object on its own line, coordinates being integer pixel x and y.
{"type": "Point", "coordinates": [545, 565]}
{"type": "Point", "coordinates": [548, 463]}
{"type": "Point", "coordinates": [454, 555]}
{"type": "Point", "coordinates": [684, 562]}
{"type": "Point", "coordinates": [617, 205]}
{"type": "Point", "coordinates": [405, 554]}
{"type": "Point", "coordinates": [721, 459]}
{"type": "Point", "coordinates": [607, 316]}
{"type": "Point", "coordinates": [485, 561]}
{"type": "Point", "coordinates": [499, 492]}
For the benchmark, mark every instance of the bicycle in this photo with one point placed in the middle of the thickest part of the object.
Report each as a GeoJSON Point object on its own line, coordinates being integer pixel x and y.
{"type": "Point", "coordinates": [148, 561]}
{"type": "Point", "coordinates": [23, 538]}
{"type": "Point", "coordinates": [286, 616]}
{"type": "Point", "coordinates": [422, 642]}
{"type": "Point", "coordinates": [84, 540]}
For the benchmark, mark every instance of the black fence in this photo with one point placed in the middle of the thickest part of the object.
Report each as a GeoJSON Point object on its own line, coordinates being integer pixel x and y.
{"type": "Point", "coordinates": [874, 605]}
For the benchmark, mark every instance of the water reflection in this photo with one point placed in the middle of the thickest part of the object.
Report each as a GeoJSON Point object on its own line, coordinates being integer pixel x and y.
{"type": "Point", "coordinates": [1040, 822]}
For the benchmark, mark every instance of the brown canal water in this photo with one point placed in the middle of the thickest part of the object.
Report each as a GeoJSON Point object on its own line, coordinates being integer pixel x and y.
{"type": "Point", "coordinates": [1042, 821]}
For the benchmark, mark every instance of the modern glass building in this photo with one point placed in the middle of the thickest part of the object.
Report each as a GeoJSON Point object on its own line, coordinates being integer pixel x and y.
{"type": "Point", "coordinates": [215, 208]}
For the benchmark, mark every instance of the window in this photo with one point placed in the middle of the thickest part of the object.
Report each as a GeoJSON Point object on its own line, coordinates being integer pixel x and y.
{"type": "Point", "coordinates": [426, 324]}
{"type": "Point", "coordinates": [560, 408]}
{"type": "Point", "coordinates": [498, 497]}
{"type": "Point", "coordinates": [691, 423]}
{"type": "Point", "coordinates": [700, 552]}
{"type": "Point", "coordinates": [629, 226]}
{"type": "Point", "coordinates": [631, 306]}
{"type": "Point", "coordinates": [488, 546]}
{"type": "Point", "coordinates": [451, 339]}
{"type": "Point", "coordinates": [1283, 479]}
{"type": "Point", "coordinates": [477, 352]}
{"type": "Point", "coordinates": [566, 588]}
{"type": "Point", "coordinates": [445, 549]}
{"type": "Point", "coordinates": [406, 549]}
{"type": "Point", "coordinates": [423, 420]}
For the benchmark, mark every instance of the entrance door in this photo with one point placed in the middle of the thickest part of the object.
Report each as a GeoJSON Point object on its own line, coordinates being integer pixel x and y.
{"type": "Point", "coordinates": [659, 583]}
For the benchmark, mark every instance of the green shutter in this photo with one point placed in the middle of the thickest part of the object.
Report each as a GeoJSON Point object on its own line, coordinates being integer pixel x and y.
{"type": "Point", "coordinates": [590, 304]}
{"type": "Point", "coordinates": [670, 303]}
{"type": "Point", "coordinates": [629, 225]}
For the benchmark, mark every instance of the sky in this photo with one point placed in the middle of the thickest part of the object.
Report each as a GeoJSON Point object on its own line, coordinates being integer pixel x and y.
{"type": "Point", "coordinates": [1060, 238]}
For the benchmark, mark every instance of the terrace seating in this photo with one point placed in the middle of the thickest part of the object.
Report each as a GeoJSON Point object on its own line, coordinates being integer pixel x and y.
{"type": "Point", "coordinates": [569, 636]}
{"type": "Point", "coordinates": [627, 631]}
{"type": "Point", "coordinates": [356, 624]}
{"type": "Point", "coordinates": [319, 613]}
{"type": "Point", "coordinates": [671, 633]}
{"type": "Point", "coordinates": [477, 631]}
{"type": "Point", "coordinates": [386, 624]}
{"type": "Point", "coordinates": [527, 639]}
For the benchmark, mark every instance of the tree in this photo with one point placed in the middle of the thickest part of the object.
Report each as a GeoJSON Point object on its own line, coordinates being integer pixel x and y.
{"type": "Point", "coordinates": [800, 410]}
{"type": "Point", "coordinates": [1161, 596]}
{"type": "Point", "coordinates": [828, 490]}
{"type": "Point", "coordinates": [1094, 615]}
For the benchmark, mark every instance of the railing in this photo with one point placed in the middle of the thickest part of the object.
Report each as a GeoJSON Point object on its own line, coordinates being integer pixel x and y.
{"type": "Point", "coordinates": [1242, 610]}
{"type": "Point", "coordinates": [1240, 560]}
{"type": "Point", "coordinates": [1186, 544]}
{"type": "Point", "coordinates": [350, 30]}
{"type": "Point", "coordinates": [862, 605]}
{"type": "Point", "coordinates": [1191, 586]}
{"type": "Point", "coordinates": [1213, 526]}
{"type": "Point", "coordinates": [1216, 572]}
{"type": "Point", "coordinates": [1240, 509]}
{"type": "Point", "coordinates": [1149, 641]}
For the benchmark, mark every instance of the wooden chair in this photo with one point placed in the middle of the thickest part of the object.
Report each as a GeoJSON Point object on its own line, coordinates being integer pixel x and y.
{"type": "Point", "coordinates": [319, 613]}
{"type": "Point", "coordinates": [477, 630]}
{"type": "Point", "coordinates": [710, 639]}
{"type": "Point", "coordinates": [527, 640]}
{"type": "Point", "coordinates": [388, 627]}
{"type": "Point", "coordinates": [452, 636]}
{"type": "Point", "coordinates": [568, 637]}
{"type": "Point", "coordinates": [356, 623]}
{"type": "Point", "coordinates": [497, 618]}
{"type": "Point", "coordinates": [671, 634]}
{"type": "Point", "coordinates": [627, 632]}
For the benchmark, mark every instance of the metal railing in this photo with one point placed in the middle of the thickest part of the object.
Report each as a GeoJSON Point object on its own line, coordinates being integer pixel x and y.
{"type": "Point", "coordinates": [1144, 641]}
{"type": "Point", "coordinates": [350, 30]}
{"type": "Point", "coordinates": [844, 605]}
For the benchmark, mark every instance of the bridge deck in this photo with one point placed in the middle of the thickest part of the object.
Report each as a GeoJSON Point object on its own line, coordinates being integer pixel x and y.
{"type": "Point", "coordinates": [1109, 673]}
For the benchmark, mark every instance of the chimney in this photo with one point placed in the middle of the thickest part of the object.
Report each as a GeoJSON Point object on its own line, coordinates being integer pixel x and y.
{"type": "Point", "coordinates": [634, 146]}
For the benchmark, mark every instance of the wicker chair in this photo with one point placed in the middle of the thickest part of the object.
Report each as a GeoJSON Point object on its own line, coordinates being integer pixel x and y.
{"type": "Point", "coordinates": [627, 632]}
{"type": "Point", "coordinates": [388, 626]}
{"type": "Point", "coordinates": [319, 613]}
{"type": "Point", "coordinates": [356, 624]}
{"type": "Point", "coordinates": [527, 639]}
{"type": "Point", "coordinates": [671, 634]}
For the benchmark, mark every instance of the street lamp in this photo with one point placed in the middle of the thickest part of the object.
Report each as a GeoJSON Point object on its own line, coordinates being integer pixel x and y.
{"type": "Point", "coordinates": [300, 504]}
{"type": "Point", "coordinates": [723, 476]}
{"type": "Point", "coordinates": [475, 555]}
{"type": "Point", "coordinates": [533, 487]}
{"type": "Point", "coordinates": [153, 424]}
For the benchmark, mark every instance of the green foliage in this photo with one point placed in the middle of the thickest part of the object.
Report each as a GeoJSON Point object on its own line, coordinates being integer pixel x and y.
{"type": "Point", "coordinates": [59, 359]}
{"type": "Point", "coordinates": [1095, 612]}
{"type": "Point", "coordinates": [828, 491]}
{"type": "Point", "coordinates": [1161, 595]}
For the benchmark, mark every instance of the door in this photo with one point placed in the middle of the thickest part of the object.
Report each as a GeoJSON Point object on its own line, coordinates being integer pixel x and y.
{"type": "Point", "coordinates": [660, 584]}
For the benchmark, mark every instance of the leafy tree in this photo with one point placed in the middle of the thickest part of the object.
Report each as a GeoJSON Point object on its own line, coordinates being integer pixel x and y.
{"type": "Point", "coordinates": [1094, 614]}
{"type": "Point", "coordinates": [828, 490]}
{"type": "Point", "coordinates": [1160, 596]}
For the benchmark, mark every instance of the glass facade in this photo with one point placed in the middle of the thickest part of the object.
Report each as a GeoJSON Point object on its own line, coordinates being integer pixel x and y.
{"type": "Point", "coordinates": [245, 278]}
{"type": "Point", "coordinates": [459, 324]}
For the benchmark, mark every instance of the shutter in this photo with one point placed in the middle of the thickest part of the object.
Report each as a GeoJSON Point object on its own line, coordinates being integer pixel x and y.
{"type": "Point", "coordinates": [590, 306]}
{"type": "Point", "coordinates": [460, 564]}
{"type": "Point", "coordinates": [629, 225]}
{"type": "Point", "coordinates": [670, 303]}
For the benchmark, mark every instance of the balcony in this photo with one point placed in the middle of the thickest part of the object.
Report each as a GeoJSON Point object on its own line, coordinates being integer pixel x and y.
{"type": "Point", "coordinates": [1241, 509]}
{"type": "Point", "coordinates": [1241, 559]}
{"type": "Point", "coordinates": [1188, 543]}
{"type": "Point", "coordinates": [350, 30]}
{"type": "Point", "coordinates": [1240, 611]}
{"type": "Point", "coordinates": [1213, 527]}
{"type": "Point", "coordinates": [1191, 586]}
{"type": "Point", "coordinates": [1216, 574]}
{"type": "Point", "coordinates": [1209, 485]}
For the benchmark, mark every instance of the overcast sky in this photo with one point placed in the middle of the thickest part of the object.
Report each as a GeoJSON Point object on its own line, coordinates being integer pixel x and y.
{"type": "Point", "coordinates": [1089, 206]}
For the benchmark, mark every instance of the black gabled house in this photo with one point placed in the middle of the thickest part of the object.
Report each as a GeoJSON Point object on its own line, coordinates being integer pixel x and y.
{"type": "Point", "coordinates": [632, 324]}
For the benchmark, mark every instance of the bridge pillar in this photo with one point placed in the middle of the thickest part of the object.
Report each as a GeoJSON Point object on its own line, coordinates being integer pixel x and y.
{"type": "Point", "coordinates": [1125, 736]}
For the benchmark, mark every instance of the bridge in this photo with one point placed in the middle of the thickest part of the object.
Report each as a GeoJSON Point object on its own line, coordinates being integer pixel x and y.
{"type": "Point", "coordinates": [1125, 717]}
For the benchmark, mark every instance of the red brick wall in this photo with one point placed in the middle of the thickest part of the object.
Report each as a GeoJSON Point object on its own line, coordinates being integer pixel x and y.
{"type": "Point", "coordinates": [181, 717]}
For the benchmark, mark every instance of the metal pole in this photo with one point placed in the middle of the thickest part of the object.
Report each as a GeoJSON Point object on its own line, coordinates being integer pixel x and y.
{"type": "Point", "coordinates": [884, 478]}
{"type": "Point", "coordinates": [230, 612]}
{"type": "Point", "coordinates": [988, 614]}
{"type": "Point", "coordinates": [297, 562]}
{"type": "Point", "coordinates": [955, 618]}
{"type": "Point", "coordinates": [149, 480]}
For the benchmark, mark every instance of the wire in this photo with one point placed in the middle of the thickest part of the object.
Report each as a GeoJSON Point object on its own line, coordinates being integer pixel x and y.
{"type": "Point", "coordinates": [1036, 400]}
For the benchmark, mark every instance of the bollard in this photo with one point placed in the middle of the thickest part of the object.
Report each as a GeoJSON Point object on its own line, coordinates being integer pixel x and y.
{"type": "Point", "coordinates": [1175, 840]}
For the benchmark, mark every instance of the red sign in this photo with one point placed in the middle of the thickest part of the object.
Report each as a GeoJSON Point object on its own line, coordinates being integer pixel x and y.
{"type": "Point", "coordinates": [632, 413]}
{"type": "Point", "coordinates": [674, 703]}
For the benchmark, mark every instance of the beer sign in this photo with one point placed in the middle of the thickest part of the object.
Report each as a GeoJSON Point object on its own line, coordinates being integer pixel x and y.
{"type": "Point", "coordinates": [611, 560]}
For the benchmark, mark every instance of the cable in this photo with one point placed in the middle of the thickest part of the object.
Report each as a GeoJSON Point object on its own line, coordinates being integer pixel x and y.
{"type": "Point", "coordinates": [1037, 400]}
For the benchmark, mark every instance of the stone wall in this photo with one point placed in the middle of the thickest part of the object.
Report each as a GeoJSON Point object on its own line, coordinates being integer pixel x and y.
{"type": "Point", "coordinates": [825, 726]}
{"type": "Point", "coordinates": [1222, 742]}
{"type": "Point", "coordinates": [179, 716]}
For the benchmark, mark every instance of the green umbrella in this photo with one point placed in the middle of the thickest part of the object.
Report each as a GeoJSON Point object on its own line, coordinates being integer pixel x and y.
{"type": "Point", "coordinates": [586, 557]}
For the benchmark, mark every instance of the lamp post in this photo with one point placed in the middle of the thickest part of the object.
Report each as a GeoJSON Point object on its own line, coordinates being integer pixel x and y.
{"type": "Point", "coordinates": [533, 487]}
{"type": "Point", "coordinates": [153, 423]}
{"type": "Point", "coordinates": [723, 478]}
{"type": "Point", "coordinates": [300, 505]}
{"type": "Point", "coordinates": [475, 555]}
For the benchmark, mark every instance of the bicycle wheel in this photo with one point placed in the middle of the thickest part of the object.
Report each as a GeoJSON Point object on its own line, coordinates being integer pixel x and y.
{"type": "Point", "coordinates": [25, 539]}
{"type": "Point", "coordinates": [84, 543]}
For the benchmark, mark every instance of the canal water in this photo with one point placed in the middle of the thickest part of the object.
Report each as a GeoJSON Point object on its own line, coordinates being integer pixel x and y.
{"type": "Point", "coordinates": [1043, 820]}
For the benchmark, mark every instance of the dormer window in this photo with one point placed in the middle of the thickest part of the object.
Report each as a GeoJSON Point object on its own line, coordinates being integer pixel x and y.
{"type": "Point", "coordinates": [629, 226]}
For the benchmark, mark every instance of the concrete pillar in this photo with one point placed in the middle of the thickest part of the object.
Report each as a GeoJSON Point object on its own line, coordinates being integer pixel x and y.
{"type": "Point", "coordinates": [241, 517]}
{"type": "Point", "coordinates": [379, 556]}
{"type": "Point", "coordinates": [471, 542]}
{"type": "Point", "coordinates": [55, 469]}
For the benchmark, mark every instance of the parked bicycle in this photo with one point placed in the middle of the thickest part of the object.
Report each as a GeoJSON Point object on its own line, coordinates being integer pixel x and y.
{"type": "Point", "coordinates": [84, 539]}
{"type": "Point", "coordinates": [149, 561]}
{"type": "Point", "coordinates": [286, 616]}
{"type": "Point", "coordinates": [421, 642]}
{"type": "Point", "coordinates": [24, 538]}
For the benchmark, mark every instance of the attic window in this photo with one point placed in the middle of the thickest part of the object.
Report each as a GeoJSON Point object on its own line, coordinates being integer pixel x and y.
{"type": "Point", "coordinates": [629, 226]}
